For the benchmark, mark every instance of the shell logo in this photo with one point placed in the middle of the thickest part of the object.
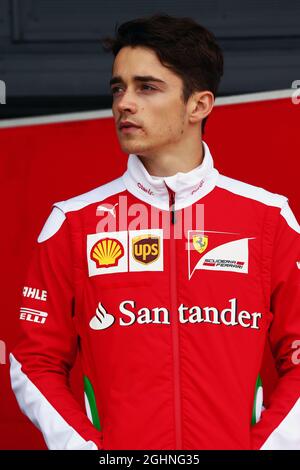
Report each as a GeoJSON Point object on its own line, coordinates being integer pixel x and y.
{"type": "Point", "coordinates": [107, 252]}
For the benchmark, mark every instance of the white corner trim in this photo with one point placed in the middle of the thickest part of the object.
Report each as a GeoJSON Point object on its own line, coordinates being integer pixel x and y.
{"type": "Point", "coordinates": [290, 218]}
{"type": "Point", "coordinates": [58, 434]}
{"type": "Point", "coordinates": [98, 194]}
{"type": "Point", "coordinates": [253, 97]}
{"type": "Point", "coordinates": [60, 209]}
{"type": "Point", "coordinates": [56, 118]}
{"type": "Point", "coordinates": [287, 435]}
{"type": "Point", "coordinates": [107, 113]}
{"type": "Point", "coordinates": [250, 191]}
{"type": "Point", "coordinates": [52, 224]}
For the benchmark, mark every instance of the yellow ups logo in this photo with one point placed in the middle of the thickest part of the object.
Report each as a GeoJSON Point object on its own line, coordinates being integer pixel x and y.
{"type": "Point", "coordinates": [146, 248]}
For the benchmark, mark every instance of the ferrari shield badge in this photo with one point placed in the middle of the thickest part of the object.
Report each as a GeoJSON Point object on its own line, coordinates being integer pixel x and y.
{"type": "Point", "coordinates": [200, 243]}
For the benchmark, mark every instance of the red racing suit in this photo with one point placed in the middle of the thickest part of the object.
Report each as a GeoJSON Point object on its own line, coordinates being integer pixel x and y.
{"type": "Point", "coordinates": [169, 288]}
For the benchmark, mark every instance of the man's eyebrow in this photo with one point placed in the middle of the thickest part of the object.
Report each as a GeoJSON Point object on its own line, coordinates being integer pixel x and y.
{"type": "Point", "coordinates": [137, 78]}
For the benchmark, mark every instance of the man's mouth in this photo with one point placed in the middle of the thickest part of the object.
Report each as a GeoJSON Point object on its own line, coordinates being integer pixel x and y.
{"type": "Point", "coordinates": [128, 126]}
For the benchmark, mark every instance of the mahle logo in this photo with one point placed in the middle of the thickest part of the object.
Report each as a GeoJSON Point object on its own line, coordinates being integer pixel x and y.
{"type": "Point", "coordinates": [2, 92]}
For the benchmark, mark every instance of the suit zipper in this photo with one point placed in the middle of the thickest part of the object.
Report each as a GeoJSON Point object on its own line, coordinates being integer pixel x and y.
{"type": "Point", "coordinates": [174, 323]}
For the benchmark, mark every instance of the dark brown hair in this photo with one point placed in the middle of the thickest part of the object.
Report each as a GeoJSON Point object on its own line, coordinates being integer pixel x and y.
{"type": "Point", "coordinates": [181, 44]}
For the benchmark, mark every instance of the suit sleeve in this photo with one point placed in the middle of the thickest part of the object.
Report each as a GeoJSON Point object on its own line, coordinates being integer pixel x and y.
{"type": "Point", "coordinates": [279, 427]}
{"type": "Point", "coordinates": [44, 355]}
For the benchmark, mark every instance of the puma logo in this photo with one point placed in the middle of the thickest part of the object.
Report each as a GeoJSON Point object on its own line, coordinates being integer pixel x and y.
{"type": "Point", "coordinates": [108, 208]}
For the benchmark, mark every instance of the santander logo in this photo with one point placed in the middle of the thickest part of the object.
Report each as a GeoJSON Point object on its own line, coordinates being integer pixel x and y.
{"type": "Point", "coordinates": [102, 319]}
{"type": "Point", "coordinates": [148, 191]}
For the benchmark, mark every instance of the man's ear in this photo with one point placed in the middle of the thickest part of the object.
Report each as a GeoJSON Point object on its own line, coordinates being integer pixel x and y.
{"type": "Point", "coordinates": [200, 105]}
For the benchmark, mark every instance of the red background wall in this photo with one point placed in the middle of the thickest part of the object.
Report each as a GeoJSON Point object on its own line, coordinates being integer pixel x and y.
{"type": "Point", "coordinates": [40, 164]}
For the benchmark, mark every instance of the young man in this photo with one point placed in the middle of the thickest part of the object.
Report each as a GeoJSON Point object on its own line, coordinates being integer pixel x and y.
{"type": "Point", "coordinates": [171, 309]}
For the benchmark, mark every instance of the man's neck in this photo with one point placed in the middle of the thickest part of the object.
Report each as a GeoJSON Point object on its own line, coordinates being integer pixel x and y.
{"type": "Point", "coordinates": [168, 163]}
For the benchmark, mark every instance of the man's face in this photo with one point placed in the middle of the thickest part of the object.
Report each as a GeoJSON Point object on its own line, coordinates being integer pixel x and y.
{"type": "Point", "coordinates": [149, 96]}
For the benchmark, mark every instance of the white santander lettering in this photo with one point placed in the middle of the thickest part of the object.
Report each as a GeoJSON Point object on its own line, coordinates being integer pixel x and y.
{"type": "Point", "coordinates": [229, 316]}
{"type": "Point", "coordinates": [130, 314]}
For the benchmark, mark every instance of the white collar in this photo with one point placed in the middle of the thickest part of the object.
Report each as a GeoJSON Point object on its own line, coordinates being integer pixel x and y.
{"type": "Point", "coordinates": [188, 187]}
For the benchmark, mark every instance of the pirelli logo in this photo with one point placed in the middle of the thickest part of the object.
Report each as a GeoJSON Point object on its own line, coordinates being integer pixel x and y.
{"type": "Point", "coordinates": [32, 315]}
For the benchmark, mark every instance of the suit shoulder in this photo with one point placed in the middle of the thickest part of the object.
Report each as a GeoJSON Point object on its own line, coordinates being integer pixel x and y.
{"type": "Point", "coordinates": [60, 209]}
{"type": "Point", "coordinates": [98, 194]}
{"type": "Point", "coordinates": [250, 191]}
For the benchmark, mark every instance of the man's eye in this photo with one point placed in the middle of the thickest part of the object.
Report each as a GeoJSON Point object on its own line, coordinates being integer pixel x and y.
{"type": "Point", "coordinates": [147, 87]}
{"type": "Point", "coordinates": [115, 90]}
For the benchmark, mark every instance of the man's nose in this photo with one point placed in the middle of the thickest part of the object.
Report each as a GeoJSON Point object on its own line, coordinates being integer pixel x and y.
{"type": "Point", "coordinates": [127, 103]}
